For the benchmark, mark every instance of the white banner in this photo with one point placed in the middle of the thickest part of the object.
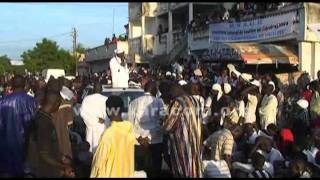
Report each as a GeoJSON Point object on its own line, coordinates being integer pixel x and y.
{"type": "Point", "coordinates": [257, 29]}
{"type": "Point", "coordinates": [315, 28]}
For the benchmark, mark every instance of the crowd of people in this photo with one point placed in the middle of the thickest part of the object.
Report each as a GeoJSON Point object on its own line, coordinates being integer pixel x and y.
{"type": "Point", "coordinates": [197, 121]}
{"type": "Point", "coordinates": [238, 12]}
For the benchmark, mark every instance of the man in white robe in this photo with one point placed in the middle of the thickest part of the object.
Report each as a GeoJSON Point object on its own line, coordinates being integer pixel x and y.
{"type": "Point", "coordinates": [119, 70]}
{"type": "Point", "coordinates": [93, 112]}
{"type": "Point", "coordinates": [268, 109]}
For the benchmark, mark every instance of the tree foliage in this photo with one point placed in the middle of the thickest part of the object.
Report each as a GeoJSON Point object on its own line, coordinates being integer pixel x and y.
{"type": "Point", "coordinates": [4, 64]}
{"type": "Point", "coordinates": [81, 49]}
{"type": "Point", "coordinates": [47, 54]}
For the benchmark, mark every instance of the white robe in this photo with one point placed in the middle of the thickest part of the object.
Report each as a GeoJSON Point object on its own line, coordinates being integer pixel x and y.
{"type": "Point", "coordinates": [250, 111]}
{"type": "Point", "coordinates": [93, 107]}
{"type": "Point", "coordinates": [119, 74]}
{"type": "Point", "coordinates": [268, 111]}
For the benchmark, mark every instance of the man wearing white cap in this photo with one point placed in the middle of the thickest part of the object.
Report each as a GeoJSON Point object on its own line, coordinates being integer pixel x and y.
{"type": "Point", "coordinates": [197, 76]}
{"type": "Point", "coordinates": [119, 70]}
{"type": "Point", "coordinates": [94, 115]}
{"type": "Point", "coordinates": [213, 103]}
{"type": "Point", "coordinates": [251, 93]}
{"type": "Point", "coordinates": [234, 75]}
{"type": "Point", "coordinates": [268, 109]}
{"type": "Point", "coordinates": [300, 121]}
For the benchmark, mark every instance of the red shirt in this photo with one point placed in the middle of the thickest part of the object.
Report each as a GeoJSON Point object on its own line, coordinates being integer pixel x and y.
{"type": "Point", "coordinates": [286, 138]}
{"type": "Point", "coordinates": [307, 95]}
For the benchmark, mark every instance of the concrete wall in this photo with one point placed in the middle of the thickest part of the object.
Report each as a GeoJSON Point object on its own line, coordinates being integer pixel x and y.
{"type": "Point", "coordinates": [135, 10]}
{"type": "Point", "coordinates": [136, 31]}
{"type": "Point", "coordinates": [309, 56]}
{"type": "Point", "coordinates": [99, 66]}
{"type": "Point", "coordinates": [312, 17]}
{"type": "Point", "coordinates": [309, 46]}
{"type": "Point", "coordinates": [149, 9]}
{"type": "Point", "coordinates": [150, 25]}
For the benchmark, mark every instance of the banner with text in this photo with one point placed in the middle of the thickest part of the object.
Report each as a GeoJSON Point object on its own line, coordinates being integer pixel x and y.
{"type": "Point", "coordinates": [276, 26]}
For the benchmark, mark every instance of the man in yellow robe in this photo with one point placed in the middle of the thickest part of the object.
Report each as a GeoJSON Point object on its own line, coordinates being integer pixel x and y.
{"type": "Point", "coordinates": [114, 156]}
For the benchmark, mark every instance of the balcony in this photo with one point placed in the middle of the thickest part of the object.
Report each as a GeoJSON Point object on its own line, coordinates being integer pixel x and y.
{"type": "Point", "coordinates": [148, 44]}
{"type": "Point", "coordinates": [135, 45]}
{"type": "Point", "coordinates": [134, 11]}
{"type": "Point", "coordinates": [162, 9]}
{"type": "Point", "coordinates": [177, 36]}
{"type": "Point", "coordinates": [177, 5]}
{"type": "Point", "coordinates": [160, 48]}
{"type": "Point", "coordinates": [202, 33]}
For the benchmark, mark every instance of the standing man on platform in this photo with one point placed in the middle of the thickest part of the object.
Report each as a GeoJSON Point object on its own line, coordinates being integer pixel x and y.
{"type": "Point", "coordinates": [119, 70]}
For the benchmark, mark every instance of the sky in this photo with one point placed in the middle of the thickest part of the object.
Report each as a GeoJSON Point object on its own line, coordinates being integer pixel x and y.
{"type": "Point", "coordinates": [22, 25]}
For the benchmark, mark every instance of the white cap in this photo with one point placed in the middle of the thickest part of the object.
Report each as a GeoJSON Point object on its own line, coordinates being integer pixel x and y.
{"type": "Point", "coordinates": [197, 72]}
{"type": "Point", "coordinates": [182, 82]}
{"type": "Point", "coordinates": [255, 83]}
{"type": "Point", "coordinates": [247, 77]}
{"type": "Point", "coordinates": [272, 83]}
{"type": "Point", "coordinates": [216, 87]}
{"type": "Point", "coordinates": [66, 93]}
{"type": "Point", "coordinates": [174, 75]}
{"type": "Point", "coordinates": [118, 50]}
{"type": "Point", "coordinates": [303, 103]}
{"type": "Point", "coordinates": [168, 73]}
{"type": "Point", "coordinates": [227, 88]}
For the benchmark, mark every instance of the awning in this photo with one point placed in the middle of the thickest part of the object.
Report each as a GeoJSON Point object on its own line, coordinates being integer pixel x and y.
{"type": "Point", "coordinates": [254, 53]}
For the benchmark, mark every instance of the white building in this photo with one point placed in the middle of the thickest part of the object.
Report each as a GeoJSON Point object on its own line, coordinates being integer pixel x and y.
{"type": "Point", "coordinates": [301, 43]}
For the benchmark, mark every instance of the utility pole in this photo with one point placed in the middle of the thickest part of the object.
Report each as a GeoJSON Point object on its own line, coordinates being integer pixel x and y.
{"type": "Point", "coordinates": [113, 21]}
{"type": "Point", "coordinates": [74, 40]}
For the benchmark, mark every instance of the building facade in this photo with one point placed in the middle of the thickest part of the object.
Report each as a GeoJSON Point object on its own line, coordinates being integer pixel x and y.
{"type": "Point", "coordinates": [163, 32]}
{"type": "Point", "coordinates": [97, 59]}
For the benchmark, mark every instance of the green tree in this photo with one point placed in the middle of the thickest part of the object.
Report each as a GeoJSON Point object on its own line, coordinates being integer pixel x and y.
{"type": "Point", "coordinates": [47, 54]}
{"type": "Point", "coordinates": [81, 49]}
{"type": "Point", "coordinates": [5, 65]}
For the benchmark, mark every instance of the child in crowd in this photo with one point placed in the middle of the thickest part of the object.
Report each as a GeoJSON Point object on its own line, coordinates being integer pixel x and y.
{"type": "Point", "coordinates": [258, 161]}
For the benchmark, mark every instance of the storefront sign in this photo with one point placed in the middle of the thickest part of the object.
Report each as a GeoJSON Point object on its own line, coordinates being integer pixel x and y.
{"type": "Point", "coordinates": [220, 51]}
{"type": "Point", "coordinates": [257, 29]}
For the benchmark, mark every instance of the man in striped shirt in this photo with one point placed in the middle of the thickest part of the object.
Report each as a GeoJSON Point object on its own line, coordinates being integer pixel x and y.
{"type": "Point", "coordinates": [221, 143]}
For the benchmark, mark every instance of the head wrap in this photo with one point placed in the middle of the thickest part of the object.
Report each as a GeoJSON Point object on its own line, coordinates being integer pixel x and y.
{"type": "Point", "coordinates": [182, 82]}
{"type": "Point", "coordinates": [197, 72]}
{"type": "Point", "coordinates": [118, 50]}
{"type": "Point", "coordinates": [255, 83]}
{"type": "Point", "coordinates": [217, 87]}
{"type": "Point", "coordinates": [245, 76]}
{"type": "Point", "coordinates": [272, 84]}
{"type": "Point", "coordinates": [227, 88]}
